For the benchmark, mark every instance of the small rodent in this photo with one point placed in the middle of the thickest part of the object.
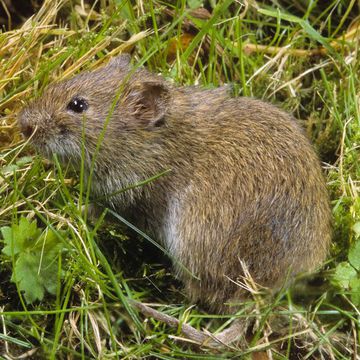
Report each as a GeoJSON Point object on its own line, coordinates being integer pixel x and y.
{"type": "Point", "coordinates": [244, 183]}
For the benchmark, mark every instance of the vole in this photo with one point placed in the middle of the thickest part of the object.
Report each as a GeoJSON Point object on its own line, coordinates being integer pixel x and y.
{"type": "Point", "coordinates": [244, 183]}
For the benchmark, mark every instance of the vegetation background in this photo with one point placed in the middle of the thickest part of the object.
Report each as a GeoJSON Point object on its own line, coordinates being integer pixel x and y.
{"type": "Point", "coordinates": [65, 285]}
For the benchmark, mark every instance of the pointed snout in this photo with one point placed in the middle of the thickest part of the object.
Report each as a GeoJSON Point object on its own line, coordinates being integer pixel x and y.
{"type": "Point", "coordinates": [26, 123]}
{"type": "Point", "coordinates": [33, 123]}
{"type": "Point", "coordinates": [26, 128]}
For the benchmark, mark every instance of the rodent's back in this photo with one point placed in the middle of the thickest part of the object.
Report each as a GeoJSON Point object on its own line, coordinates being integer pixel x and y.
{"type": "Point", "coordinates": [259, 193]}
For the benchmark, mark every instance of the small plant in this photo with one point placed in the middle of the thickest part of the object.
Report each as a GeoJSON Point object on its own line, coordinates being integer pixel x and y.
{"type": "Point", "coordinates": [34, 254]}
{"type": "Point", "coordinates": [347, 273]}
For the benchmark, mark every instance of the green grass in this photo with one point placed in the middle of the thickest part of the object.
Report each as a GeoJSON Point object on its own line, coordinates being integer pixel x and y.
{"type": "Point", "coordinates": [302, 56]}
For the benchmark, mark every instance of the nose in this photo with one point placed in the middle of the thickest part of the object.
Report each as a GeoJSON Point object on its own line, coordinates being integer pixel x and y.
{"type": "Point", "coordinates": [26, 128]}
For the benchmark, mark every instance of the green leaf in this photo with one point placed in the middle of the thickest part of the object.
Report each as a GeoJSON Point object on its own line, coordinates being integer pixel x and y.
{"type": "Point", "coordinates": [194, 4]}
{"type": "Point", "coordinates": [26, 276]}
{"type": "Point", "coordinates": [19, 163]}
{"type": "Point", "coordinates": [19, 237]}
{"type": "Point", "coordinates": [356, 228]}
{"type": "Point", "coordinates": [355, 291]}
{"type": "Point", "coordinates": [6, 232]}
{"type": "Point", "coordinates": [24, 160]}
{"type": "Point", "coordinates": [344, 273]}
{"type": "Point", "coordinates": [354, 255]}
{"type": "Point", "coordinates": [26, 233]}
{"type": "Point", "coordinates": [49, 267]}
{"type": "Point", "coordinates": [9, 169]}
{"type": "Point", "coordinates": [36, 254]}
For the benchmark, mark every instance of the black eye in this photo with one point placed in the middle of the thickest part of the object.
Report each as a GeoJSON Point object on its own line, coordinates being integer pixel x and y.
{"type": "Point", "coordinates": [77, 105]}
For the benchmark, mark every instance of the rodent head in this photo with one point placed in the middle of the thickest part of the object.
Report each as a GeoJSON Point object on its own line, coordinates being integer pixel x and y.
{"type": "Point", "coordinates": [71, 115]}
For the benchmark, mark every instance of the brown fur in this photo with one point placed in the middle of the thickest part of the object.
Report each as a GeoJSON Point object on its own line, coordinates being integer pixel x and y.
{"type": "Point", "coordinates": [244, 183]}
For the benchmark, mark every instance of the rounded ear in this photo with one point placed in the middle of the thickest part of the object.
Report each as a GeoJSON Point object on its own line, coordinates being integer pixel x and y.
{"type": "Point", "coordinates": [148, 102]}
{"type": "Point", "coordinates": [121, 61]}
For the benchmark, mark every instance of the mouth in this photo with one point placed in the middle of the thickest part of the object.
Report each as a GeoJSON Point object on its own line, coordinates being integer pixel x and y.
{"type": "Point", "coordinates": [31, 135]}
{"type": "Point", "coordinates": [66, 150]}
